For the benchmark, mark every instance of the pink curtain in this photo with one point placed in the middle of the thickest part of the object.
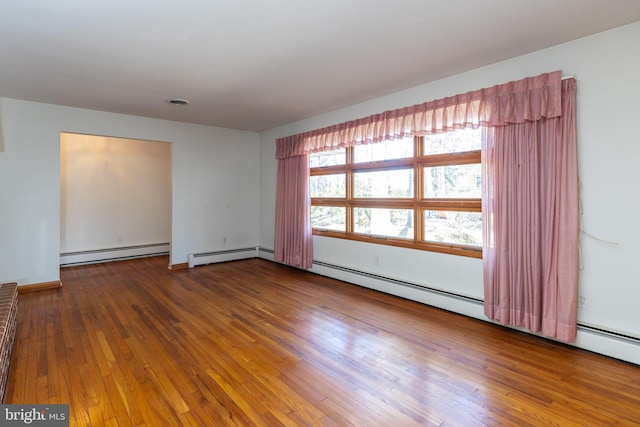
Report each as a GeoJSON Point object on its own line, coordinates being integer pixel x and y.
{"type": "Point", "coordinates": [528, 99]}
{"type": "Point", "coordinates": [530, 207]}
{"type": "Point", "coordinates": [293, 234]}
{"type": "Point", "coordinates": [529, 203]}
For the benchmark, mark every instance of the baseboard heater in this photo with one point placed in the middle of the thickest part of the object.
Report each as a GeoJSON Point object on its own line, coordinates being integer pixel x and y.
{"type": "Point", "coordinates": [213, 257]}
{"type": "Point", "coordinates": [94, 256]}
{"type": "Point", "coordinates": [400, 282]}
{"type": "Point", "coordinates": [614, 344]}
{"type": "Point", "coordinates": [604, 333]}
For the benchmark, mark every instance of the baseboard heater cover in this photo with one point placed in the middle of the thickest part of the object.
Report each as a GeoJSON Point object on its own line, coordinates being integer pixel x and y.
{"type": "Point", "coordinates": [400, 282]}
{"type": "Point", "coordinates": [592, 338]}
{"type": "Point", "coordinates": [213, 257]}
{"type": "Point", "coordinates": [613, 344]}
{"type": "Point", "coordinates": [94, 256]}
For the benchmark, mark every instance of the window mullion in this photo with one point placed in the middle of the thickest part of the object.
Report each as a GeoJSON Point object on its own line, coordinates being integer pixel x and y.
{"type": "Point", "coordinates": [349, 189]}
{"type": "Point", "coordinates": [418, 189]}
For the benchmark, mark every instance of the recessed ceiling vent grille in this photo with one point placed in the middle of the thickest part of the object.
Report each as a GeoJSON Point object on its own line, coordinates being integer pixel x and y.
{"type": "Point", "coordinates": [178, 101]}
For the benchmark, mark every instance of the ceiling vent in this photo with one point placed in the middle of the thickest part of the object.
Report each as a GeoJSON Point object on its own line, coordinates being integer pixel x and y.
{"type": "Point", "coordinates": [178, 101]}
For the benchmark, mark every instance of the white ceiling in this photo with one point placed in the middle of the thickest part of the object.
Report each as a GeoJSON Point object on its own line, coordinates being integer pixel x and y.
{"type": "Point", "coordinates": [258, 64]}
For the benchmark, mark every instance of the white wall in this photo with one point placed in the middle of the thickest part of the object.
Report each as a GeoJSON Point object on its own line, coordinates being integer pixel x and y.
{"type": "Point", "coordinates": [218, 176]}
{"type": "Point", "coordinates": [214, 184]}
{"type": "Point", "coordinates": [114, 193]}
{"type": "Point", "coordinates": [607, 67]}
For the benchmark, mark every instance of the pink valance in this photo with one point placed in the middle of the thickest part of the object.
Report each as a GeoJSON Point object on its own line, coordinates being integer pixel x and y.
{"type": "Point", "coordinates": [524, 100]}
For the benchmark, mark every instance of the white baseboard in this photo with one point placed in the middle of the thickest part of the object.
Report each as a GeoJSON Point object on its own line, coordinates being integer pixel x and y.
{"type": "Point", "coordinates": [94, 256]}
{"type": "Point", "coordinates": [212, 257]}
{"type": "Point", "coordinates": [608, 343]}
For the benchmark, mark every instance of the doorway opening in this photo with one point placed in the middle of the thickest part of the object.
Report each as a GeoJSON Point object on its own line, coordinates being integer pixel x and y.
{"type": "Point", "coordinates": [115, 198]}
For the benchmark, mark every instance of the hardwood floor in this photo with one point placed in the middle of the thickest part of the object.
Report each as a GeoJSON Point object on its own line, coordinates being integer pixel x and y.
{"type": "Point", "coordinates": [253, 343]}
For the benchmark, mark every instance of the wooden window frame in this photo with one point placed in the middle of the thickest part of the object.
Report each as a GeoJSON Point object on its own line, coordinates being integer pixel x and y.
{"type": "Point", "coordinates": [418, 203]}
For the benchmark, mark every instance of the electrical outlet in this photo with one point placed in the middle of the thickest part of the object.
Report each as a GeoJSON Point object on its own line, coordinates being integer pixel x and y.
{"type": "Point", "coordinates": [582, 301]}
{"type": "Point", "coordinates": [224, 240]}
{"type": "Point", "coordinates": [376, 260]}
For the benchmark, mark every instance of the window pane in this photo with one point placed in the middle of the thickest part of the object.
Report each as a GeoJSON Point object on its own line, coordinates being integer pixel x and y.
{"type": "Point", "coordinates": [453, 141]}
{"type": "Point", "coordinates": [327, 158]}
{"type": "Point", "coordinates": [327, 185]}
{"type": "Point", "coordinates": [464, 228]}
{"type": "Point", "coordinates": [385, 150]}
{"type": "Point", "coordinates": [328, 218]}
{"type": "Point", "coordinates": [460, 181]}
{"type": "Point", "coordinates": [392, 183]}
{"type": "Point", "coordinates": [384, 222]}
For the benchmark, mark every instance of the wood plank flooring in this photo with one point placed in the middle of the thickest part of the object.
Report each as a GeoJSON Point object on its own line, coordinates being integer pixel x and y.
{"type": "Point", "coordinates": [253, 343]}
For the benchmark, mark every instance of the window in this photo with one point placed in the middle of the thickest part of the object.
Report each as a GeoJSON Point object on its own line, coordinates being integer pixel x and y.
{"type": "Point", "coordinates": [421, 192]}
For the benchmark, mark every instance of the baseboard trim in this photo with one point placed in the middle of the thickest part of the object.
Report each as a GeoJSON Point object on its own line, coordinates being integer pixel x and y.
{"type": "Point", "coordinates": [39, 286]}
{"type": "Point", "coordinates": [213, 257]}
{"type": "Point", "coordinates": [96, 256]}
{"type": "Point", "coordinates": [179, 266]}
